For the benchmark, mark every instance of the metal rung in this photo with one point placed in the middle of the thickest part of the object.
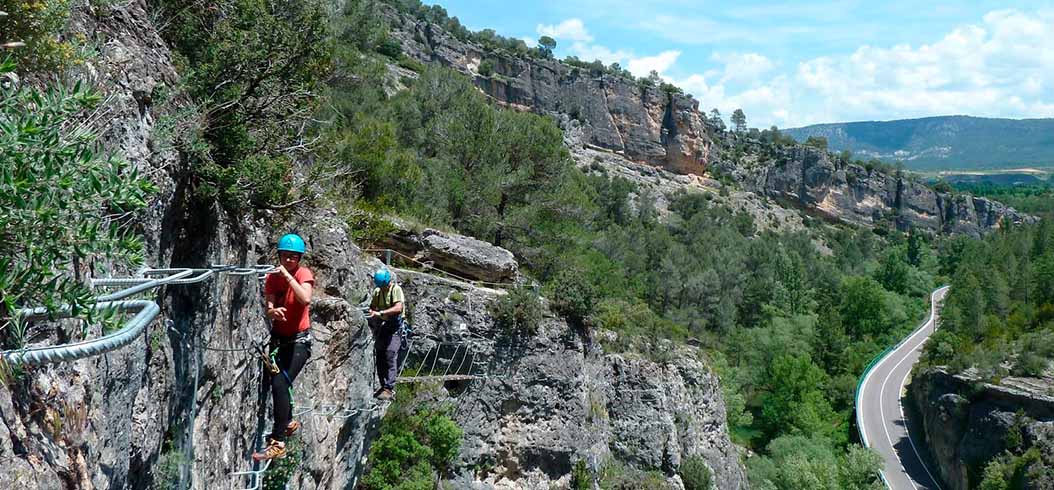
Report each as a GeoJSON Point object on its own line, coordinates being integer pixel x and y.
{"type": "Point", "coordinates": [147, 311]}
{"type": "Point", "coordinates": [448, 377]}
{"type": "Point", "coordinates": [445, 361]}
{"type": "Point", "coordinates": [255, 475]}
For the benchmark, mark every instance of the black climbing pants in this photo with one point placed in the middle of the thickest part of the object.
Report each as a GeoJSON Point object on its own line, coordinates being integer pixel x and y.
{"type": "Point", "coordinates": [291, 356]}
{"type": "Point", "coordinates": [386, 342]}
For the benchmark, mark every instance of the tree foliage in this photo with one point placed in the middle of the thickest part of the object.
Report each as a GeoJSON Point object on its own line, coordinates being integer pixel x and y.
{"type": "Point", "coordinates": [999, 313]}
{"type": "Point", "coordinates": [38, 25]}
{"type": "Point", "coordinates": [416, 443]}
{"type": "Point", "coordinates": [62, 201]}
{"type": "Point", "coordinates": [254, 68]}
{"type": "Point", "coordinates": [739, 120]}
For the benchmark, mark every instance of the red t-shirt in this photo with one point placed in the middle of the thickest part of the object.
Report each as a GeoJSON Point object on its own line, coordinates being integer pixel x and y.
{"type": "Point", "coordinates": [296, 314]}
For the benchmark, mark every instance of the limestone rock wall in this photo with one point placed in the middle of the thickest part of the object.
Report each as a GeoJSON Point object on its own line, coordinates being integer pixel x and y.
{"type": "Point", "coordinates": [667, 130]}
{"type": "Point", "coordinates": [642, 122]}
{"type": "Point", "coordinates": [968, 422]}
{"type": "Point", "coordinates": [810, 179]}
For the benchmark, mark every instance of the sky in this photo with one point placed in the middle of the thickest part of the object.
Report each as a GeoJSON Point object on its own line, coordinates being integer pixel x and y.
{"type": "Point", "coordinates": [792, 64]}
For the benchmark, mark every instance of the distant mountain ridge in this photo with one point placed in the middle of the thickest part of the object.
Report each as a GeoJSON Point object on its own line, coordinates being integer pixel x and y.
{"type": "Point", "coordinates": [943, 142]}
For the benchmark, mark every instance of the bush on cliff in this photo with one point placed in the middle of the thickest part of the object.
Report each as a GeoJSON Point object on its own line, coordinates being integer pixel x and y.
{"type": "Point", "coordinates": [37, 24]}
{"type": "Point", "coordinates": [518, 311]}
{"type": "Point", "coordinates": [417, 442]}
{"type": "Point", "coordinates": [62, 201]}
{"type": "Point", "coordinates": [254, 67]}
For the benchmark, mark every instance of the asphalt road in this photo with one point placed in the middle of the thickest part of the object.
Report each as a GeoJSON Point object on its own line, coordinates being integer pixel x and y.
{"type": "Point", "coordinates": [880, 411]}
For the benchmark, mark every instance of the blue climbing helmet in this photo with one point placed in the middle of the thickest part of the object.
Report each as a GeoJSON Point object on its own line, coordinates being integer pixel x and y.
{"type": "Point", "coordinates": [291, 243]}
{"type": "Point", "coordinates": [382, 277]}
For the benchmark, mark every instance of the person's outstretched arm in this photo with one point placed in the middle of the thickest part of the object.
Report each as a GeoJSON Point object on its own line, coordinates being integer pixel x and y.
{"type": "Point", "coordinates": [301, 291]}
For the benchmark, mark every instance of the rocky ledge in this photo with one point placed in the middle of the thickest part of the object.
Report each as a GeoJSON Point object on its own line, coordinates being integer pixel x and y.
{"type": "Point", "coordinates": [967, 422]}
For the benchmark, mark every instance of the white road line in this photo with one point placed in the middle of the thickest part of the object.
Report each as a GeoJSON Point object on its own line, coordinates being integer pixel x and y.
{"type": "Point", "coordinates": [881, 409]}
{"type": "Point", "coordinates": [903, 382]}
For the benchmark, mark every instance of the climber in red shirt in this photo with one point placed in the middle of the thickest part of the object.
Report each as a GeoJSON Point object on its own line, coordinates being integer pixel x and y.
{"type": "Point", "coordinates": [287, 292]}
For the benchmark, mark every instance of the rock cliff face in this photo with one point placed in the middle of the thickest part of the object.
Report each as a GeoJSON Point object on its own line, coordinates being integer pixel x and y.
{"type": "Point", "coordinates": [967, 423]}
{"type": "Point", "coordinates": [644, 123]}
{"type": "Point", "coordinates": [810, 179]}
{"type": "Point", "coordinates": [184, 404]}
{"type": "Point", "coordinates": [555, 398]}
{"type": "Point", "coordinates": [648, 125]}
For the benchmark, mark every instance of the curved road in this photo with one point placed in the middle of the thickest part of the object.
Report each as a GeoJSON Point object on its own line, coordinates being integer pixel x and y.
{"type": "Point", "coordinates": [880, 411]}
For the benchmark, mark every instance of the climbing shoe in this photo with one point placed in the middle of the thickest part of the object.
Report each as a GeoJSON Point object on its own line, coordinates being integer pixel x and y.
{"type": "Point", "coordinates": [292, 428]}
{"type": "Point", "coordinates": [378, 392]}
{"type": "Point", "coordinates": [386, 394]}
{"type": "Point", "coordinates": [274, 450]}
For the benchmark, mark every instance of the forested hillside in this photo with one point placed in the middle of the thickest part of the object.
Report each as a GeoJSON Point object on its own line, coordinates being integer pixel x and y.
{"type": "Point", "coordinates": [942, 143]}
{"type": "Point", "coordinates": [246, 119]}
{"type": "Point", "coordinates": [995, 340]}
{"type": "Point", "coordinates": [789, 327]}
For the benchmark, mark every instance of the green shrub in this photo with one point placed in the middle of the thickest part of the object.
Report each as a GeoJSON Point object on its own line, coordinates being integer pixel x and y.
{"type": "Point", "coordinates": [695, 474]}
{"type": "Point", "coordinates": [166, 472]}
{"type": "Point", "coordinates": [581, 477]}
{"type": "Point", "coordinates": [390, 47]}
{"type": "Point", "coordinates": [37, 23]}
{"type": "Point", "coordinates": [255, 71]}
{"type": "Point", "coordinates": [615, 475]}
{"type": "Point", "coordinates": [412, 64]}
{"type": "Point", "coordinates": [572, 295]}
{"type": "Point", "coordinates": [518, 311]}
{"type": "Point", "coordinates": [417, 441]}
{"type": "Point", "coordinates": [486, 68]}
{"type": "Point", "coordinates": [61, 201]}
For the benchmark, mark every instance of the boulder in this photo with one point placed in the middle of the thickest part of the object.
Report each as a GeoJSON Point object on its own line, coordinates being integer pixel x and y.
{"type": "Point", "coordinates": [468, 257]}
{"type": "Point", "coordinates": [461, 255]}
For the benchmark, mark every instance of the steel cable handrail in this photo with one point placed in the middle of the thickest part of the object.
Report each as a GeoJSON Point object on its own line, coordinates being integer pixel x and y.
{"type": "Point", "coordinates": [146, 310]}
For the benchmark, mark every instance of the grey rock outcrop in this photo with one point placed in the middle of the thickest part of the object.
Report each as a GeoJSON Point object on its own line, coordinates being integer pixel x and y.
{"type": "Point", "coordinates": [658, 186]}
{"type": "Point", "coordinates": [666, 129]}
{"type": "Point", "coordinates": [811, 180]}
{"type": "Point", "coordinates": [968, 422]}
{"type": "Point", "coordinates": [464, 256]}
{"type": "Point", "coordinates": [643, 122]}
{"type": "Point", "coordinates": [556, 398]}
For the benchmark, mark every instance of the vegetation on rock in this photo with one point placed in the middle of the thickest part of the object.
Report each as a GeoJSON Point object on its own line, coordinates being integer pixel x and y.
{"type": "Point", "coordinates": [418, 441]}
{"type": "Point", "coordinates": [62, 201]}
{"type": "Point", "coordinates": [254, 69]}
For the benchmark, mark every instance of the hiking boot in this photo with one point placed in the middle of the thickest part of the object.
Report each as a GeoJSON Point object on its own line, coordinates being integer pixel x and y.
{"type": "Point", "coordinates": [275, 449]}
{"type": "Point", "coordinates": [386, 394]}
{"type": "Point", "coordinates": [292, 428]}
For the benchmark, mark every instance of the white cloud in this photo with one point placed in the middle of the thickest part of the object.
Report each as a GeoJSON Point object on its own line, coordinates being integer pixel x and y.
{"type": "Point", "coordinates": [582, 47]}
{"type": "Point", "coordinates": [590, 52]}
{"type": "Point", "coordinates": [1001, 67]}
{"type": "Point", "coordinates": [997, 68]}
{"type": "Point", "coordinates": [568, 30]}
{"type": "Point", "coordinates": [661, 62]}
{"type": "Point", "coordinates": [743, 67]}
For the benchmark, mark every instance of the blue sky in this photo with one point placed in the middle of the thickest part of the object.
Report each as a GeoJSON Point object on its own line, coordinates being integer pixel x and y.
{"type": "Point", "coordinates": [798, 63]}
